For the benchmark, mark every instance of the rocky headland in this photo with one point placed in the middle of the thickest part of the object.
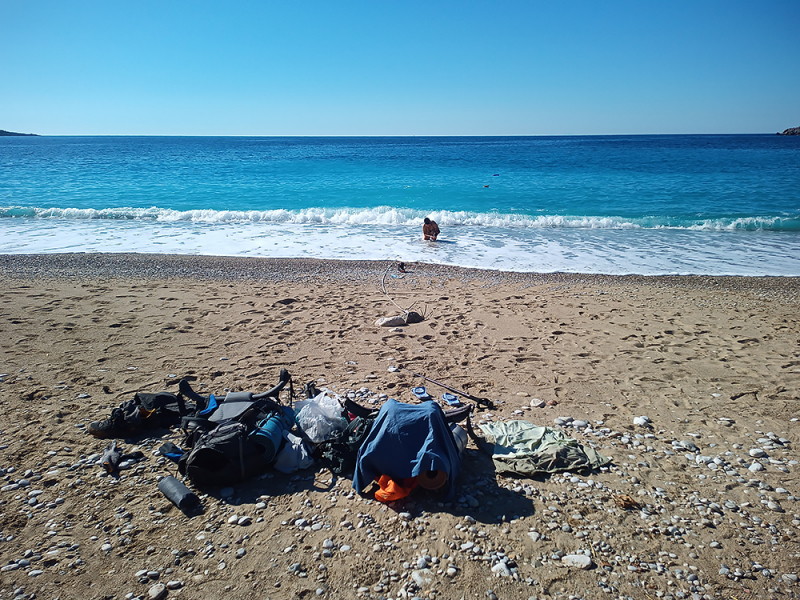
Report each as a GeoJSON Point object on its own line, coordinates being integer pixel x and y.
{"type": "Point", "coordinates": [4, 133]}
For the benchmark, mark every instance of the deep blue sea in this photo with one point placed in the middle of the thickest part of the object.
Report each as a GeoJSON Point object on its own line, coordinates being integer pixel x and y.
{"type": "Point", "coordinates": [662, 204]}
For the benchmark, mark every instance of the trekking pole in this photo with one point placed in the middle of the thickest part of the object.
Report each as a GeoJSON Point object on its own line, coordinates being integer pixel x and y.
{"type": "Point", "coordinates": [482, 401]}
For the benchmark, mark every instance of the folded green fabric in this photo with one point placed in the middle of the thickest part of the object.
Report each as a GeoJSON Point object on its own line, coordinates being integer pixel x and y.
{"type": "Point", "coordinates": [526, 449]}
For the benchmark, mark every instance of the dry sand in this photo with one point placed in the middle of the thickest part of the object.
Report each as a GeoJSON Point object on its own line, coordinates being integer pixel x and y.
{"type": "Point", "coordinates": [714, 363]}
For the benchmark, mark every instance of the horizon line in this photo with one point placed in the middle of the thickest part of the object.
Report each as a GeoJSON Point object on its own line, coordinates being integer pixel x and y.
{"type": "Point", "coordinates": [253, 135]}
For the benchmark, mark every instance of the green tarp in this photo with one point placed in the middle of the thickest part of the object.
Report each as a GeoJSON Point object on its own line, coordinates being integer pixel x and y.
{"type": "Point", "coordinates": [526, 449]}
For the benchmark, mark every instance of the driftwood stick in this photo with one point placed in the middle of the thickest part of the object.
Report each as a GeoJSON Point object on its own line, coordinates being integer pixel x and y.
{"type": "Point", "coordinates": [385, 293]}
{"type": "Point", "coordinates": [737, 396]}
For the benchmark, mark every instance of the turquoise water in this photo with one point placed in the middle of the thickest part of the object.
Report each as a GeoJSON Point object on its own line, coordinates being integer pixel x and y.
{"type": "Point", "coordinates": [596, 204]}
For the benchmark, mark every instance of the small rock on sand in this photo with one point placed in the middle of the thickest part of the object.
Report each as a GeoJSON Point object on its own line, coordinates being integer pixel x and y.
{"type": "Point", "coordinates": [579, 561]}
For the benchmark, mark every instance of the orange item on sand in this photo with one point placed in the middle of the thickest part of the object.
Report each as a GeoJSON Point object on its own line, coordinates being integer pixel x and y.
{"type": "Point", "coordinates": [393, 489]}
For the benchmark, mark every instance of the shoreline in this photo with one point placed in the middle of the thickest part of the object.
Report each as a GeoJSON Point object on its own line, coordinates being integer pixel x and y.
{"type": "Point", "coordinates": [237, 268]}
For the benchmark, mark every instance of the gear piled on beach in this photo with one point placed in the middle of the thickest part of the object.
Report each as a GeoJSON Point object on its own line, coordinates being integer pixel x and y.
{"type": "Point", "coordinates": [390, 451]}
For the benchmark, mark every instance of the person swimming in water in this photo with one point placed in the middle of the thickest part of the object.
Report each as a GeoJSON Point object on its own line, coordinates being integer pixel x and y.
{"type": "Point", "coordinates": [430, 230]}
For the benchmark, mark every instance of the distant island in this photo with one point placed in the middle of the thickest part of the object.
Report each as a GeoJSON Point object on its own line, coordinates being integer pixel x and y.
{"type": "Point", "coordinates": [791, 131]}
{"type": "Point", "coordinates": [3, 132]}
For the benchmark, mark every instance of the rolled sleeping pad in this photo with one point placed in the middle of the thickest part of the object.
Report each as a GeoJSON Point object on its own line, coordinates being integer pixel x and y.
{"type": "Point", "coordinates": [432, 480]}
{"type": "Point", "coordinates": [178, 494]}
{"type": "Point", "coordinates": [269, 434]}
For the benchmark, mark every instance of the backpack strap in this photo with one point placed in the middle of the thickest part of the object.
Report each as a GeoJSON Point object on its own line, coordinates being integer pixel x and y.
{"type": "Point", "coordinates": [273, 392]}
{"type": "Point", "coordinates": [457, 414]}
{"type": "Point", "coordinates": [199, 423]}
{"type": "Point", "coordinates": [181, 404]}
{"type": "Point", "coordinates": [358, 410]}
{"type": "Point", "coordinates": [480, 442]}
{"type": "Point", "coordinates": [241, 457]}
{"type": "Point", "coordinates": [184, 389]}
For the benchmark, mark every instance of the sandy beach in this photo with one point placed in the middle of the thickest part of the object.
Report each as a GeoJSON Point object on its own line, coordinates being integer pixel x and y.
{"type": "Point", "coordinates": [713, 363]}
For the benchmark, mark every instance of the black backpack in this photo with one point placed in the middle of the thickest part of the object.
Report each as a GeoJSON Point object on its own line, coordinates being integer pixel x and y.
{"type": "Point", "coordinates": [340, 453]}
{"type": "Point", "coordinates": [240, 438]}
{"type": "Point", "coordinates": [226, 454]}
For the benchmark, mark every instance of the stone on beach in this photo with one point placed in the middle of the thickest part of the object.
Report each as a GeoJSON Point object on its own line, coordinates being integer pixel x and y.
{"type": "Point", "coordinates": [579, 561]}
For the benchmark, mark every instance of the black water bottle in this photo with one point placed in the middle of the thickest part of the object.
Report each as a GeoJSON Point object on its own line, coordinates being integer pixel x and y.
{"type": "Point", "coordinates": [179, 494]}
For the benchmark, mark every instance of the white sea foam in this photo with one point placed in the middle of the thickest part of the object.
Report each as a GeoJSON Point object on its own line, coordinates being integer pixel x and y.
{"type": "Point", "coordinates": [384, 215]}
{"type": "Point", "coordinates": [573, 250]}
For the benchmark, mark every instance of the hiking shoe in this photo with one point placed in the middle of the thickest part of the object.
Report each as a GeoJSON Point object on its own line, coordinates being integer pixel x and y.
{"type": "Point", "coordinates": [121, 423]}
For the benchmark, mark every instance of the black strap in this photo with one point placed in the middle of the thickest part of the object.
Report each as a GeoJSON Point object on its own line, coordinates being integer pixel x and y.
{"type": "Point", "coordinates": [199, 422]}
{"type": "Point", "coordinates": [186, 389]}
{"type": "Point", "coordinates": [267, 405]}
{"type": "Point", "coordinates": [358, 410]}
{"type": "Point", "coordinates": [241, 456]}
{"type": "Point", "coordinates": [480, 442]}
{"type": "Point", "coordinates": [457, 414]}
{"type": "Point", "coordinates": [181, 404]}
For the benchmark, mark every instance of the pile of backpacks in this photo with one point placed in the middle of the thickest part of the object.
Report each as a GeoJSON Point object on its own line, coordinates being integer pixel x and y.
{"type": "Point", "coordinates": [389, 451]}
{"type": "Point", "coordinates": [229, 440]}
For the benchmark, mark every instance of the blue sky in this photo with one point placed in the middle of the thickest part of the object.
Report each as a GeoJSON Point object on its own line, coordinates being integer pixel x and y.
{"type": "Point", "coordinates": [562, 67]}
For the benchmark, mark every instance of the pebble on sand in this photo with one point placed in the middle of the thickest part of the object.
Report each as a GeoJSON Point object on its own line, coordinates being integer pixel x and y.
{"type": "Point", "coordinates": [579, 561]}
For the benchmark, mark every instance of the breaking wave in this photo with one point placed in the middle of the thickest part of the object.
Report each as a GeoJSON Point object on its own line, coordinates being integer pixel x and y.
{"type": "Point", "coordinates": [385, 215]}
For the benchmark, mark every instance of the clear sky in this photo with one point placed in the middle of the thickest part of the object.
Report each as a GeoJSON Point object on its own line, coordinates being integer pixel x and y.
{"type": "Point", "coordinates": [381, 67]}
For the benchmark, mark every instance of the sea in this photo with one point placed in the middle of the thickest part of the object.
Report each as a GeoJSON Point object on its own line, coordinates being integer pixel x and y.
{"type": "Point", "coordinates": [643, 204]}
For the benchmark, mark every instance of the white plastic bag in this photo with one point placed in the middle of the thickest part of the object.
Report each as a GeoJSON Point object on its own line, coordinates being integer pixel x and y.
{"type": "Point", "coordinates": [321, 417]}
{"type": "Point", "coordinates": [396, 321]}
